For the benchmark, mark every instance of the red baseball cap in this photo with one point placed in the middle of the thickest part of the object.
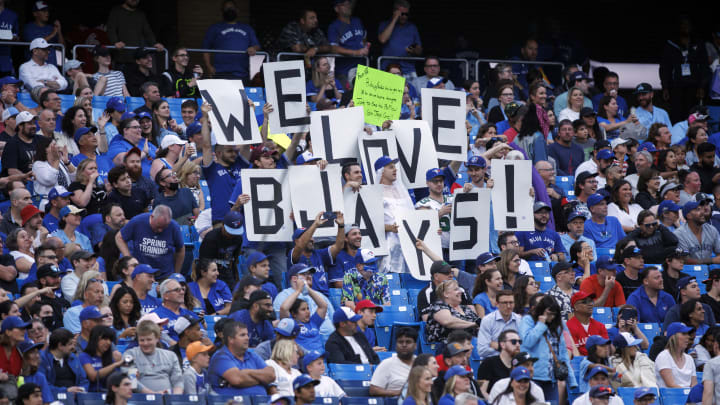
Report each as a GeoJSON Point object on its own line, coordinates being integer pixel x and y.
{"type": "Point", "coordinates": [367, 304]}
{"type": "Point", "coordinates": [579, 296]}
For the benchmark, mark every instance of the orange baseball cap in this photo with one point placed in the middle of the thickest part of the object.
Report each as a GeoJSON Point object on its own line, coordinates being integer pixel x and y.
{"type": "Point", "coordinates": [197, 347]}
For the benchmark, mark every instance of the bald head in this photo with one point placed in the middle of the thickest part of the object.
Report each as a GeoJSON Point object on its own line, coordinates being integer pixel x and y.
{"type": "Point", "coordinates": [546, 170]}
{"type": "Point", "coordinates": [19, 199]}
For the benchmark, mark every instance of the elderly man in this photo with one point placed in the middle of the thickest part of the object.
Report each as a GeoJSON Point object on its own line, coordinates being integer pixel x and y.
{"type": "Point", "coordinates": [157, 241]}
{"type": "Point", "coordinates": [12, 219]}
{"type": "Point", "coordinates": [173, 297]}
{"type": "Point", "coordinates": [37, 72]}
{"type": "Point", "coordinates": [93, 295]}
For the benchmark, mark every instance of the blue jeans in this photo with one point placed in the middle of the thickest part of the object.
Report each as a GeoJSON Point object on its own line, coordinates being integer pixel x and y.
{"type": "Point", "coordinates": [550, 390]}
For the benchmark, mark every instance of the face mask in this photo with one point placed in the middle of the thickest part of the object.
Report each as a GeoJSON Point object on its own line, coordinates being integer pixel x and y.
{"type": "Point", "coordinates": [173, 186]}
{"type": "Point", "coordinates": [229, 14]}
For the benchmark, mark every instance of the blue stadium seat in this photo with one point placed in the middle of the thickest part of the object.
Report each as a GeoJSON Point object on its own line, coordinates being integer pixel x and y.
{"type": "Point", "coordinates": [399, 297]}
{"type": "Point", "coordinates": [26, 100]}
{"type": "Point", "coordinates": [384, 355]}
{"type": "Point", "coordinates": [364, 401]}
{"type": "Point", "coordinates": [650, 330]}
{"type": "Point", "coordinates": [206, 191]}
{"type": "Point", "coordinates": [355, 388]}
{"type": "Point", "coordinates": [603, 314]}
{"type": "Point", "coordinates": [387, 320]}
{"type": "Point", "coordinates": [575, 363]}
{"type": "Point", "coordinates": [699, 271]}
{"type": "Point", "coordinates": [260, 399]}
{"type": "Point", "coordinates": [546, 283]}
{"type": "Point", "coordinates": [66, 397]}
{"type": "Point", "coordinates": [327, 401]}
{"type": "Point", "coordinates": [540, 269]}
{"type": "Point", "coordinates": [410, 282]}
{"type": "Point", "coordinates": [605, 252]}
{"type": "Point", "coordinates": [222, 399]}
{"type": "Point", "coordinates": [626, 394]}
{"type": "Point", "coordinates": [66, 101]}
{"type": "Point", "coordinates": [566, 183]}
{"type": "Point", "coordinates": [134, 102]}
{"type": "Point", "coordinates": [393, 281]}
{"type": "Point", "coordinates": [185, 399]}
{"type": "Point", "coordinates": [425, 346]}
{"type": "Point", "coordinates": [146, 399]}
{"type": "Point", "coordinates": [355, 372]}
{"type": "Point", "coordinates": [90, 398]}
{"type": "Point", "coordinates": [672, 396]}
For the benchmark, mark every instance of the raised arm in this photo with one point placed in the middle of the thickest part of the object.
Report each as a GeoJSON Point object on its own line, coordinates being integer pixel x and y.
{"type": "Point", "coordinates": [207, 154]}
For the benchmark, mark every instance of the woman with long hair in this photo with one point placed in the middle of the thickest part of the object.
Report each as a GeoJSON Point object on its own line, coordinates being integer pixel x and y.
{"type": "Point", "coordinates": [13, 333]}
{"type": "Point", "coordinates": [457, 381]}
{"type": "Point", "coordinates": [506, 95]}
{"type": "Point", "coordinates": [667, 165]}
{"type": "Point", "coordinates": [696, 137]}
{"type": "Point", "coordinates": [509, 267]}
{"type": "Point", "coordinates": [163, 123]}
{"type": "Point", "coordinates": [323, 84]}
{"type": "Point", "coordinates": [542, 338]}
{"type": "Point", "coordinates": [484, 134]}
{"type": "Point", "coordinates": [627, 322]}
{"type": "Point", "coordinates": [705, 348]}
{"type": "Point", "coordinates": [576, 100]}
{"type": "Point", "coordinates": [75, 118]}
{"type": "Point", "coordinates": [524, 288]}
{"type": "Point", "coordinates": [420, 383]}
{"type": "Point", "coordinates": [122, 272]}
{"type": "Point", "coordinates": [598, 355]}
{"type": "Point", "coordinates": [98, 359]}
{"type": "Point", "coordinates": [189, 176]}
{"type": "Point", "coordinates": [485, 290]}
{"type": "Point", "coordinates": [126, 311]}
{"type": "Point", "coordinates": [530, 137]}
{"type": "Point", "coordinates": [609, 119]}
{"type": "Point", "coordinates": [108, 250]}
{"type": "Point", "coordinates": [518, 391]}
{"type": "Point", "coordinates": [537, 96]}
{"type": "Point", "coordinates": [581, 254]}
{"type": "Point", "coordinates": [448, 313]}
{"type": "Point", "coordinates": [51, 167]}
{"type": "Point", "coordinates": [636, 368]}
{"type": "Point", "coordinates": [213, 294]}
{"type": "Point", "coordinates": [284, 360]}
{"type": "Point", "coordinates": [622, 206]}
{"type": "Point", "coordinates": [692, 314]}
{"type": "Point", "coordinates": [119, 389]}
{"type": "Point", "coordinates": [648, 187]}
{"type": "Point", "coordinates": [673, 367]}
{"type": "Point", "coordinates": [88, 190]}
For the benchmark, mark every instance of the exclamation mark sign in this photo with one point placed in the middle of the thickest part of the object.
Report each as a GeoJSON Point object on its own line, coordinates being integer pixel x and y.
{"type": "Point", "coordinates": [510, 221]}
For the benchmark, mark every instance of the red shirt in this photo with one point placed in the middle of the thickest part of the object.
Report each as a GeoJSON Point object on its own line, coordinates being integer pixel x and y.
{"type": "Point", "coordinates": [616, 298]}
{"type": "Point", "coordinates": [443, 367]}
{"type": "Point", "coordinates": [580, 336]}
{"type": "Point", "coordinates": [12, 365]}
{"type": "Point", "coordinates": [510, 134]}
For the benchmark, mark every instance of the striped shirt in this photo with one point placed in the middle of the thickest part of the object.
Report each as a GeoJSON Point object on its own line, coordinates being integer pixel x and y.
{"type": "Point", "coordinates": [115, 83]}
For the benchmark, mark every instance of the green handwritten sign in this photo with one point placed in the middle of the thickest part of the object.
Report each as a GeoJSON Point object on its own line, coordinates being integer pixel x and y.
{"type": "Point", "coordinates": [379, 93]}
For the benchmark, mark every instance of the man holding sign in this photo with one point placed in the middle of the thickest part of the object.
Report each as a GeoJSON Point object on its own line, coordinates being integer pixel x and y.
{"type": "Point", "coordinates": [440, 202]}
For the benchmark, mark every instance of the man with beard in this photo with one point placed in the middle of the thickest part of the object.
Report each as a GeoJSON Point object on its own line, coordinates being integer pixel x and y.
{"type": "Point", "coordinates": [304, 251]}
{"type": "Point", "coordinates": [133, 164]}
{"type": "Point", "coordinates": [345, 259]}
{"type": "Point", "coordinates": [48, 276]}
{"type": "Point", "coordinates": [567, 155]}
{"type": "Point", "coordinates": [113, 219]}
{"type": "Point", "coordinates": [258, 317]}
{"type": "Point", "coordinates": [17, 157]}
{"type": "Point", "coordinates": [697, 236]}
{"type": "Point", "coordinates": [128, 26]}
{"type": "Point", "coordinates": [542, 243]}
{"type": "Point", "coordinates": [392, 373]}
{"type": "Point", "coordinates": [705, 167]}
{"type": "Point", "coordinates": [173, 298]}
{"type": "Point", "coordinates": [133, 200]}
{"type": "Point", "coordinates": [304, 36]}
{"type": "Point", "coordinates": [222, 245]}
{"type": "Point", "coordinates": [231, 35]}
{"type": "Point", "coordinates": [646, 112]}
{"type": "Point", "coordinates": [495, 368]}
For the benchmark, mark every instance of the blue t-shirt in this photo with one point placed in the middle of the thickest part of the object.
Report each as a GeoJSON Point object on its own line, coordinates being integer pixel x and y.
{"type": "Point", "coordinates": [604, 235]}
{"type": "Point", "coordinates": [309, 337]}
{"type": "Point", "coordinates": [120, 145]}
{"type": "Point", "coordinates": [647, 311]}
{"type": "Point", "coordinates": [8, 23]}
{"type": "Point", "coordinates": [237, 37]}
{"type": "Point", "coordinates": [51, 222]}
{"type": "Point", "coordinates": [259, 332]}
{"type": "Point", "coordinates": [615, 132]}
{"type": "Point", "coordinates": [348, 36]}
{"type": "Point", "coordinates": [547, 239]}
{"type": "Point", "coordinates": [154, 249]}
{"type": "Point", "coordinates": [103, 163]}
{"type": "Point", "coordinates": [221, 181]}
{"type": "Point", "coordinates": [483, 300]}
{"type": "Point", "coordinates": [623, 109]}
{"type": "Point", "coordinates": [312, 90]}
{"type": "Point", "coordinates": [32, 31]}
{"type": "Point", "coordinates": [369, 335]}
{"type": "Point", "coordinates": [318, 259]}
{"type": "Point", "coordinates": [402, 37]}
{"type": "Point", "coordinates": [42, 381]}
{"type": "Point", "coordinates": [96, 363]}
{"type": "Point", "coordinates": [149, 304]}
{"type": "Point", "coordinates": [343, 263]}
{"type": "Point", "coordinates": [182, 203]}
{"type": "Point", "coordinates": [164, 312]}
{"type": "Point", "coordinates": [223, 361]}
{"type": "Point", "coordinates": [218, 295]}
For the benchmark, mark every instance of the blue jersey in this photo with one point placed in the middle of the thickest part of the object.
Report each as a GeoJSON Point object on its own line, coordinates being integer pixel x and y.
{"type": "Point", "coordinates": [120, 145]}
{"type": "Point", "coordinates": [219, 295]}
{"type": "Point", "coordinates": [548, 240]}
{"type": "Point", "coordinates": [42, 381]}
{"type": "Point", "coordinates": [237, 37]}
{"type": "Point", "coordinates": [259, 332]}
{"type": "Point", "coordinates": [51, 222]}
{"type": "Point", "coordinates": [348, 36]}
{"type": "Point", "coordinates": [309, 337]}
{"type": "Point", "coordinates": [402, 37]}
{"type": "Point", "coordinates": [318, 259]}
{"type": "Point", "coordinates": [31, 31]}
{"type": "Point", "coordinates": [154, 249]}
{"type": "Point", "coordinates": [172, 317]}
{"type": "Point", "coordinates": [10, 27]}
{"type": "Point", "coordinates": [221, 180]}
{"type": "Point", "coordinates": [343, 263]}
{"type": "Point", "coordinates": [223, 360]}
{"type": "Point", "coordinates": [604, 235]}
{"type": "Point", "coordinates": [149, 304]}
{"type": "Point", "coordinates": [103, 163]}
{"type": "Point", "coordinates": [96, 363]}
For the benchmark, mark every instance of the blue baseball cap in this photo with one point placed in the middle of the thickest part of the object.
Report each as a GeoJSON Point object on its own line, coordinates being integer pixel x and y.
{"type": "Point", "coordinates": [456, 370]}
{"type": "Point", "coordinates": [605, 262]}
{"type": "Point", "coordinates": [9, 112]}
{"type": "Point", "coordinates": [684, 282]}
{"type": "Point", "coordinates": [127, 114]}
{"type": "Point", "coordinates": [642, 392]}
{"type": "Point", "coordinates": [625, 339]}
{"type": "Point", "coordinates": [477, 161]}
{"type": "Point", "coordinates": [600, 391]}
{"type": "Point", "coordinates": [27, 345]}
{"type": "Point", "coordinates": [287, 327]}
{"type": "Point", "coordinates": [594, 199]}
{"type": "Point", "coordinates": [177, 277]}
{"type": "Point", "coordinates": [303, 380]}
{"type": "Point", "coordinates": [255, 257]}
{"type": "Point", "coordinates": [143, 268]}
{"type": "Point", "coordinates": [689, 206]}
{"type": "Point", "coordinates": [91, 312]}
{"type": "Point", "coordinates": [345, 314]}
{"type": "Point", "coordinates": [605, 154]}
{"type": "Point", "coordinates": [117, 104]}
{"type": "Point", "coordinates": [13, 322]}
{"type": "Point", "coordinates": [383, 161]}
{"type": "Point", "coordinates": [192, 129]}
{"type": "Point", "coordinates": [82, 131]}
{"type": "Point", "coordinates": [647, 146]}
{"type": "Point", "coordinates": [677, 327]}
{"type": "Point", "coordinates": [576, 214]}
{"type": "Point", "coordinates": [306, 157]}
{"type": "Point", "coordinates": [10, 80]}
{"type": "Point", "coordinates": [594, 371]}
{"type": "Point", "coordinates": [667, 205]}
{"type": "Point", "coordinates": [311, 356]}
{"type": "Point", "coordinates": [435, 81]}
{"type": "Point", "coordinates": [300, 268]}
{"type": "Point", "coordinates": [520, 373]}
{"type": "Point", "coordinates": [485, 258]}
{"type": "Point", "coordinates": [595, 340]}
{"type": "Point", "coordinates": [143, 114]}
{"type": "Point", "coordinates": [298, 232]}
{"type": "Point", "coordinates": [233, 223]}
{"type": "Point", "coordinates": [58, 191]}
{"type": "Point", "coordinates": [432, 173]}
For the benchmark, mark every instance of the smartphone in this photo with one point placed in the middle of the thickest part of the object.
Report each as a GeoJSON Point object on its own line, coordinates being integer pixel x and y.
{"type": "Point", "coordinates": [329, 215]}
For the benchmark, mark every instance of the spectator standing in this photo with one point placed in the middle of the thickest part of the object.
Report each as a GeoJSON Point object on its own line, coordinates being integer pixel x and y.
{"type": "Point", "coordinates": [38, 72]}
{"type": "Point", "coordinates": [233, 35]}
{"type": "Point", "coordinates": [109, 82]}
{"type": "Point", "coordinates": [582, 325]}
{"type": "Point", "coordinates": [401, 38]}
{"type": "Point", "coordinates": [180, 81]}
{"type": "Point", "coordinates": [40, 28]}
{"type": "Point", "coordinates": [347, 36]}
{"type": "Point", "coordinates": [567, 155]}
{"type": "Point", "coordinates": [141, 72]}
{"type": "Point", "coordinates": [651, 301]}
{"type": "Point", "coordinates": [128, 26]}
{"type": "Point", "coordinates": [304, 36]}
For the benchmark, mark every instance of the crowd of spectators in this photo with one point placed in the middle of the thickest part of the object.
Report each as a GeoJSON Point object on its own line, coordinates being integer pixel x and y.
{"type": "Point", "coordinates": [126, 267]}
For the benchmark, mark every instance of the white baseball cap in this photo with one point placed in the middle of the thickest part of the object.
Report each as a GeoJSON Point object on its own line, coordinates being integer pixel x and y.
{"type": "Point", "coordinates": [39, 43]}
{"type": "Point", "coordinates": [9, 112]}
{"type": "Point", "coordinates": [169, 140]}
{"type": "Point", "coordinates": [23, 117]}
{"type": "Point", "coordinates": [618, 141]}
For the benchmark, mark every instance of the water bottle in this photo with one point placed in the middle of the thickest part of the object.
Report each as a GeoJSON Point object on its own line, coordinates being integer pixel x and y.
{"type": "Point", "coordinates": [128, 367]}
{"type": "Point", "coordinates": [194, 155]}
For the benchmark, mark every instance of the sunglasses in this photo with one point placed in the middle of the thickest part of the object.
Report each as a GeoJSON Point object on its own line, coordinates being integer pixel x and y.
{"type": "Point", "coordinates": [515, 341]}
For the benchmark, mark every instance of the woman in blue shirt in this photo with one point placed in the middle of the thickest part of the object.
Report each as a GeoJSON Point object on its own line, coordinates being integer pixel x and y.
{"type": "Point", "coordinates": [98, 360]}
{"type": "Point", "coordinates": [30, 364]}
{"type": "Point", "coordinates": [486, 288]}
{"type": "Point", "coordinates": [309, 337]}
{"type": "Point", "coordinates": [323, 84]}
{"type": "Point", "coordinates": [214, 294]}
{"type": "Point", "coordinates": [457, 381]}
{"type": "Point", "coordinates": [126, 310]}
{"type": "Point", "coordinates": [609, 119]}
{"type": "Point", "coordinates": [420, 383]}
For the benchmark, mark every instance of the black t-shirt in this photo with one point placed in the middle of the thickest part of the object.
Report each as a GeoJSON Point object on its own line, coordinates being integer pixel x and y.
{"type": "Point", "coordinates": [224, 252]}
{"type": "Point", "coordinates": [629, 285]}
{"type": "Point", "coordinates": [5, 137]}
{"type": "Point", "coordinates": [19, 155]}
{"type": "Point", "coordinates": [492, 369]}
{"type": "Point", "coordinates": [135, 204]}
{"type": "Point", "coordinates": [9, 286]}
{"type": "Point", "coordinates": [714, 305]}
{"type": "Point", "coordinates": [670, 284]}
{"type": "Point", "coordinates": [64, 376]}
{"type": "Point", "coordinates": [97, 199]}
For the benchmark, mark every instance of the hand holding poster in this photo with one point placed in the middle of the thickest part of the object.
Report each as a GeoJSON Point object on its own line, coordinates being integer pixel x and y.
{"type": "Point", "coordinates": [381, 143]}
{"type": "Point", "coordinates": [313, 191]}
{"type": "Point", "coordinates": [365, 209]}
{"type": "Point", "coordinates": [335, 133]}
{"type": "Point", "coordinates": [267, 214]}
{"type": "Point", "coordinates": [470, 224]}
{"type": "Point", "coordinates": [512, 204]}
{"type": "Point", "coordinates": [285, 89]}
{"type": "Point", "coordinates": [380, 93]}
{"type": "Point", "coordinates": [444, 110]}
{"type": "Point", "coordinates": [416, 151]}
{"type": "Point", "coordinates": [232, 119]}
{"type": "Point", "coordinates": [423, 225]}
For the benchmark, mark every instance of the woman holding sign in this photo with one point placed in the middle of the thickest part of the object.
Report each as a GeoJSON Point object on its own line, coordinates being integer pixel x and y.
{"type": "Point", "coordinates": [323, 84]}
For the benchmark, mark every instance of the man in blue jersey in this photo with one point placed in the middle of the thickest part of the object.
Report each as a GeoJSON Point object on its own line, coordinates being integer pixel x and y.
{"type": "Point", "coordinates": [646, 111]}
{"type": "Point", "coordinates": [258, 317]}
{"type": "Point", "coordinates": [400, 38]}
{"type": "Point", "coordinates": [173, 297]}
{"type": "Point", "coordinates": [231, 35]}
{"type": "Point", "coordinates": [345, 259]}
{"type": "Point", "coordinates": [604, 230]}
{"type": "Point", "coordinates": [142, 282]}
{"type": "Point", "coordinates": [347, 37]}
{"type": "Point", "coordinates": [542, 244]}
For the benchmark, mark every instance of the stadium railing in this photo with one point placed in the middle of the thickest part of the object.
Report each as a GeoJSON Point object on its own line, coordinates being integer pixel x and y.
{"type": "Point", "coordinates": [463, 62]}
{"type": "Point", "coordinates": [283, 56]}
{"type": "Point", "coordinates": [52, 45]}
{"type": "Point", "coordinates": [129, 48]}
{"type": "Point", "coordinates": [513, 62]}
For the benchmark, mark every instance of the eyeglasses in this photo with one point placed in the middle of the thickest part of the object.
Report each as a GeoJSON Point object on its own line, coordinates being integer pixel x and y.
{"type": "Point", "coordinates": [172, 174]}
{"type": "Point", "coordinates": [432, 66]}
{"type": "Point", "coordinates": [175, 290]}
{"type": "Point", "coordinates": [133, 127]}
{"type": "Point", "coordinates": [513, 242]}
{"type": "Point", "coordinates": [515, 341]}
{"type": "Point", "coordinates": [651, 224]}
{"type": "Point", "coordinates": [50, 257]}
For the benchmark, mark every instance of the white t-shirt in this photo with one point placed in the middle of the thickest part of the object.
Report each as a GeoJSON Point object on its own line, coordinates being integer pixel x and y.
{"type": "Point", "coordinates": [587, 166]}
{"type": "Point", "coordinates": [16, 254]}
{"type": "Point", "coordinates": [391, 374]}
{"type": "Point", "coordinates": [626, 220]}
{"type": "Point", "coordinates": [683, 376]}
{"type": "Point", "coordinates": [283, 379]}
{"type": "Point", "coordinates": [328, 388]}
{"type": "Point", "coordinates": [502, 384]}
{"type": "Point", "coordinates": [357, 349]}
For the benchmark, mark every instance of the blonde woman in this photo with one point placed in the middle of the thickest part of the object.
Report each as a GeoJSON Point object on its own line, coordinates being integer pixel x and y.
{"type": "Point", "coordinates": [189, 175]}
{"type": "Point", "coordinates": [284, 356]}
{"type": "Point", "coordinates": [636, 368]}
{"type": "Point", "coordinates": [323, 85]}
{"type": "Point", "coordinates": [88, 192]}
{"type": "Point", "coordinates": [420, 383]}
{"type": "Point", "coordinates": [673, 367]}
{"type": "Point", "coordinates": [457, 381]}
{"type": "Point", "coordinates": [448, 313]}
